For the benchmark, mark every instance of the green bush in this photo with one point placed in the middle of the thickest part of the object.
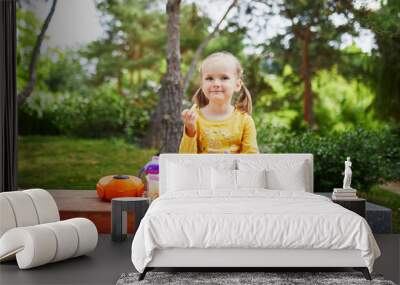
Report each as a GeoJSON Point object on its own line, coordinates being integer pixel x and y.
{"type": "Point", "coordinates": [96, 112]}
{"type": "Point", "coordinates": [37, 116]}
{"type": "Point", "coordinates": [142, 102]}
{"type": "Point", "coordinates": [375, 156]}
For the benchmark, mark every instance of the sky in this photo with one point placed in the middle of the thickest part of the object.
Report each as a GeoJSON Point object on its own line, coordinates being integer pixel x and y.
{"type": "Point", "coordinates": [76, 23]}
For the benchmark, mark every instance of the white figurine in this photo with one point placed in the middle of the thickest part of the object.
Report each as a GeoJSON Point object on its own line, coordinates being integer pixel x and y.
{"type": "Point", "coordinates": [347, 174]}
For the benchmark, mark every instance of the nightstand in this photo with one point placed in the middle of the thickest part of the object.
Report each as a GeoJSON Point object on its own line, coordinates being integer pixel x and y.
{"type": "Point", "coordinates": [120, 207]}
{"type": "Point", "coordinates": [356, 205]}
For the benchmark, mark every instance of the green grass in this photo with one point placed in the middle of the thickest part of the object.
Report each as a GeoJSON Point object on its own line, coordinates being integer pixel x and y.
{"type": "Point", "coordinates": [74, 163]}
{"type": "Point", "coordinates": [387, 199]}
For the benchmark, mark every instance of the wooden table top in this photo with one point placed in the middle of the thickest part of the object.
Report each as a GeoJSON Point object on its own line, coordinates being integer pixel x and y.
{"type": "Point", "coordinates": [79, 200]}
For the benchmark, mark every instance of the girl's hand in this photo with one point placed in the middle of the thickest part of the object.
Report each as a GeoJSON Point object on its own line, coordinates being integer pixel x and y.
{"type": "Point", "coordinates": [189, 118]}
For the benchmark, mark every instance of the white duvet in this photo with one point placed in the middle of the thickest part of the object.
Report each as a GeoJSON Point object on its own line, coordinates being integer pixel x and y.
{"type": "Point", "coordinates": [252, 218]}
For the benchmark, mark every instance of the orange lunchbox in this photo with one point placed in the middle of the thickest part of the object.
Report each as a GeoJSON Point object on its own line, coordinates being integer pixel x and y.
{"type": "Point", "coordinates": [113, 186]}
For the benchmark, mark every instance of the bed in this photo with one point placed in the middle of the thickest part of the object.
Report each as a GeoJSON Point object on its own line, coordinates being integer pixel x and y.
{"type": "Point", "coordinates": [247, 210]}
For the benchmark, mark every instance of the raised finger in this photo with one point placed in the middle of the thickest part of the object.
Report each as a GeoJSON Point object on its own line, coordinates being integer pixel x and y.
{"type": "Point", "coordinates": [185, 115]}
{"type": "Point", "coordinates": [184, 112]}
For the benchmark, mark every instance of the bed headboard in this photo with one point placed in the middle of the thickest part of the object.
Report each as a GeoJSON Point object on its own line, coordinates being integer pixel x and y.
{"type": "Point", "coordinates": [231, 159]}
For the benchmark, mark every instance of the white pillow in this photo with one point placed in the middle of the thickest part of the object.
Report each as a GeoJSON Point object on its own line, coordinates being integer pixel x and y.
{"type": "Point", "coordinates": [224, 179]}
{"type": "Point", "coordinates": [291, 178]}
{"type": "Point", "coordinates": [251, 178]}
{"type": "Point", "coordinates": [285, 174]}
{"type": "Point", "coordinates": [184, 177]}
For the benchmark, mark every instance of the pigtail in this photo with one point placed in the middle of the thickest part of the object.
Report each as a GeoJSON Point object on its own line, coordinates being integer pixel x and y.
{"type": "Point", "coordinates": [200, 99]}
{"type": "Point", "coordinates": [244, 102]}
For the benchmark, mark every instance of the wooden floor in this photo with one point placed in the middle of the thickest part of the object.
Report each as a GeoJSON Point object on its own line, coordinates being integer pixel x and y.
{"type": "Point", "coordinates": [86, 204]}
{"type": "Point", "coordinates": [110, 259]}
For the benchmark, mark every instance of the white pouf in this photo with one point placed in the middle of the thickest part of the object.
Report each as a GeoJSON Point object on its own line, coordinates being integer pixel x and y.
{"type": "Point", "coordinates": [31, 232]}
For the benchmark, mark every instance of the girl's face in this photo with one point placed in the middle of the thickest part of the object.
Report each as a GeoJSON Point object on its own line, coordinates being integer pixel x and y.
{"type": "Point", "coordinates": [219, 80]}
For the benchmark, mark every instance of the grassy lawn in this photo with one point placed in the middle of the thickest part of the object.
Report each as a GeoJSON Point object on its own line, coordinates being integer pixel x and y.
{"type": "Point", "coordinates": [73, 163]}
{"type": "Point", "coordinates": [387, 199]}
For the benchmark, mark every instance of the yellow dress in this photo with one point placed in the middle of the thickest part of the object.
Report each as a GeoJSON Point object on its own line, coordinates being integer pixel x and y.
{"type": "Point", "coordinates": [235, 134]}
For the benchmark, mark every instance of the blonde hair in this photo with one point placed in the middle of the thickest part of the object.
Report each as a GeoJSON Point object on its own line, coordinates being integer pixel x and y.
{"type": "Point", "coordinates": [243, 103]}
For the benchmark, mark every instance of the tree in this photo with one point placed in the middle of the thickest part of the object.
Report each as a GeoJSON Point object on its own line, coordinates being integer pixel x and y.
{"type": "Point", "coordinates": [132, 52]}
{"type": "Point", "coordinates": [167, 116]}
{"type": "Point", "coordinates": [384, 70]}
{"type": "Point", "coordinates": [27, 91]}
{"type": "Point", "coordinates": [160, 134]}
{"type": "Point", "coordinates": [132, 44]}
{"type": "Point", "coordinates": [192, 31]}
{"type": "Point", "coordinates": [310, 40]}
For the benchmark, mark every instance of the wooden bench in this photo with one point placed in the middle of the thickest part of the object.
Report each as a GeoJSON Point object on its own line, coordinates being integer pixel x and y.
{"type": "Point", "coordinates": [86, 204]}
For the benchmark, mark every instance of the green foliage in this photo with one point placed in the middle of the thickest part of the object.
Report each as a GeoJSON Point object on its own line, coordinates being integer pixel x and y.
{"type": "Point", "coordinates": [93, 113]}
{"type": "Point", "coordinates": [313, 20]}
{"type": "Point", "coordinates": [97, 112]}
{"type": "Point", "coordinates": [38, 115]}
{"type": "Point", "coordinates": [121, 71]}
{"type": "Point", "coordinates": [254, 77]}
{"type": "Point", "coordinates": [230, 39]}
{"type": "Point", "coordinates": [193, 29]}
{"type": "Point", "coordinates": [132, 44]}
{"type": "Point", "coordinates": [140, 106]}
{"type": "Point", "coordinates": [385, 63]}
{"type": "Point", "coordinates": [64, 72]}
{"type": "Point", "coordinates": [375, 156]}
{"type": "Point", "coordinates": [309, 42]}
{"type": "Point", "coordinates": [28, 27]}
{"type": "Point", "coordinates": [342, 104]}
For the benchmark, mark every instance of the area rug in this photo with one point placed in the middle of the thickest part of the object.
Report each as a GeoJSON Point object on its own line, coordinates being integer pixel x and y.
{"type": "Point", "coordinates": [242, 278]}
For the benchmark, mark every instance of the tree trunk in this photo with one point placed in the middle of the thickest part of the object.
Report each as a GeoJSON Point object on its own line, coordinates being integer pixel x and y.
{"type": "Point", "coordinates": [28, 89]}
{"type": "Point", "coordinates": [166, 127]}
{"type": "Point", "coordinates": [306, 76]}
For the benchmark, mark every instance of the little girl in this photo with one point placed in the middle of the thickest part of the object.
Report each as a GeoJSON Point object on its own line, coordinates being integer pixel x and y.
{"type": "Point", "coordinates": [213, 124]}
